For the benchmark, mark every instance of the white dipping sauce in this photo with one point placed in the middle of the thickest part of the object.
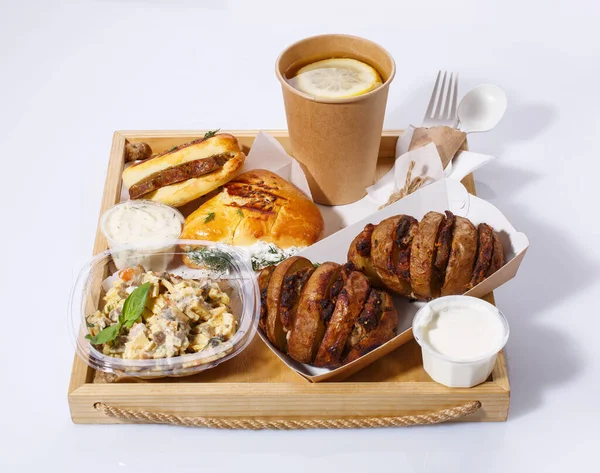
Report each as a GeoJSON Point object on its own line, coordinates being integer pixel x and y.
{"type": "Point", "coordinates": [140, 222]}
{"type": "Point", "coordinates": [460, 337]}
{"type": "Point", "coordinates": [463, 333]}
{"type": "Point", "coordinates": [151, 228]}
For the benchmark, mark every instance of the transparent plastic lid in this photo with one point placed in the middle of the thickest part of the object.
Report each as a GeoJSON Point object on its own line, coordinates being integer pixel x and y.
{"type": "Point", "coordinates": [186, 305]}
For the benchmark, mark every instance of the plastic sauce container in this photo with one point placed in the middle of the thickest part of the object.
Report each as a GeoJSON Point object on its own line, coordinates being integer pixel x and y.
{"type": "Point", "coordinates": [460, 337]}
{"type": "Point", "coordinates": [220, 263]}
{"type": "Point", "coordinates": [148, 227]}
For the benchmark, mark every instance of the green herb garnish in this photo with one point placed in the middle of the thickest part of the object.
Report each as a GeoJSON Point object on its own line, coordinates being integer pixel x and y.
{"type": "Point", "coordinates": [210, 134]}
{"type": "Point", "coordinates": [134, 305]}
{"type": "Point", "coordinates": [173, 148]}
{"type": "Point", "coordinates": [106, 335]}
{"type": "Point", "coordinates": [240, 213]}
{"type": "Point", "coordinates": [210, 258]}
{"type": "Point", "coordinates": [209, 217]}
{"type": "Point", "coordinates": [316, 265]}
{"type": "Point", "coordinates": [132, 310]}
{"type": "Point", "coordinates": [271, 256]}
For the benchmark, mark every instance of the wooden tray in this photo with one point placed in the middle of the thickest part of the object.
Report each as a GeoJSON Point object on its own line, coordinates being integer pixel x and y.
{"type": "Point", "coordinates": [256, 384]}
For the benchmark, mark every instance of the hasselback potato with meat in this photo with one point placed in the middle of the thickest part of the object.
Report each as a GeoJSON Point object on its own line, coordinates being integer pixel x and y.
{"type": "Point", "coordinates": [439, 256]}
{"type": "Point", "coordinates": [325, 316]}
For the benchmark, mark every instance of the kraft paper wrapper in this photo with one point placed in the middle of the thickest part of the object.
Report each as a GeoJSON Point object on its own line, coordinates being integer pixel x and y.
{"type": "Point", "coordinates": [336, 141]}
{"type": "Point", "coordinates": [439, 196]}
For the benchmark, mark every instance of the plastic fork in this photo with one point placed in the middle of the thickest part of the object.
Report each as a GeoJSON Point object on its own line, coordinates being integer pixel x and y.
{"type": "Point", "coordinates": [445, 96]}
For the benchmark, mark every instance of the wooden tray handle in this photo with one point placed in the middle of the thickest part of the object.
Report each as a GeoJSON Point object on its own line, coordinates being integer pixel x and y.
{"type": "Point", "coordinates": [150, 417]}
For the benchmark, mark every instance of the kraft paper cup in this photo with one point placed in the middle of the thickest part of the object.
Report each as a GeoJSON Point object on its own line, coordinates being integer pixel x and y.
{"type": "Point", "coordinates": [336, 141]}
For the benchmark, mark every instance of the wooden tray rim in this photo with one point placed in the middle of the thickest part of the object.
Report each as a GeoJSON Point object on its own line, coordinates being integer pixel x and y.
{"type": "Point", "coordinates": [81, 385]}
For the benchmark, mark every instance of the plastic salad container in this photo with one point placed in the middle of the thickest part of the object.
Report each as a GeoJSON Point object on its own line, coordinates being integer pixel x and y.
{"type": "Point", "coordinates": [225, 265]}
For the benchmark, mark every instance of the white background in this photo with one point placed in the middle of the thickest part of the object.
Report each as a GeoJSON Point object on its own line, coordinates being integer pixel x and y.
{"type": "Point", "coordinates": [73, 72]}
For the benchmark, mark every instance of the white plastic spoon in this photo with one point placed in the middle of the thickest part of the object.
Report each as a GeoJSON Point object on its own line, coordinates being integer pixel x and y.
{"type": "Point", "coordinates": [481, 109]}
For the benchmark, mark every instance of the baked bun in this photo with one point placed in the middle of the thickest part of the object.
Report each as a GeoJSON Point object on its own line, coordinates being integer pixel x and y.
{"type": "Point", "coordinates": [257, 206]}
{"type": "Point", "coordinates": [187, 171]}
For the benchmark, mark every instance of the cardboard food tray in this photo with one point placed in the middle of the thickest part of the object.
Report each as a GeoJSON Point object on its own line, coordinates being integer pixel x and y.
{"type": "Point", "coordinates": [257, 384]}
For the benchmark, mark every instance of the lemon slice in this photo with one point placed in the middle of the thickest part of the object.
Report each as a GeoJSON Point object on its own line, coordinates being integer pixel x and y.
{"type": "Point", "coordinates": [337, 78]}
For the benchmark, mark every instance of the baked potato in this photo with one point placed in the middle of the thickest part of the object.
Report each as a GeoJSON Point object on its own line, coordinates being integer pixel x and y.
{"type": "Point", "coordinates": [403, 238]}
{"type": "Point", "coordinates": [314, 310]}
{"type": "Point", "coordinates": [377, 324]}
{"type": "Point", "coordinates": [497, 256]}
{"type": "Point", "coordinates": [441, 255]}
{"type": "Point", "coordinates": [485, 250]}
{"type": "Point", "coordinates": [443, 246]}
{"type": "Point", "coordinates": [422, 254]}
{"type": "Point", "coordinates": [382, 255]}
{"type": "Point", "coordinates": [348, 307]}
{"type": "Point", "coordinates": [290, 295]}
{"type": "Point", "coordinates": [462, 258]}
{"type": "Point", "coordinates": [263, 281]}
{"type": "Point", "coordinates": [359, 254]}
{"type": "Point", "coordinates": [274, 326]}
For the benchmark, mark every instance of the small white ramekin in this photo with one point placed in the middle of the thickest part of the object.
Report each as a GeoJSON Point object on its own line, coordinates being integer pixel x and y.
{"type": "Point", "coordinates": [463, 373]}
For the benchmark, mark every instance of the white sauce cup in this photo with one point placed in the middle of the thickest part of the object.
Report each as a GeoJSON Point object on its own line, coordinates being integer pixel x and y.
{"type": "Point", "coordinates": [154, 246]}
{"type": "Point", "coordinates": [464, 371]}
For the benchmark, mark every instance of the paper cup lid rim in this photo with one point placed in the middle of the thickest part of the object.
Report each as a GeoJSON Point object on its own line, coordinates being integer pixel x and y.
{"type": "Point", "coordinates": [313, 98]}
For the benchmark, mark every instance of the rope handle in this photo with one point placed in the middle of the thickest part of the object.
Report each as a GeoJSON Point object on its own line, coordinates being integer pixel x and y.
{"type": "Point", "coordinates": [151, 417]}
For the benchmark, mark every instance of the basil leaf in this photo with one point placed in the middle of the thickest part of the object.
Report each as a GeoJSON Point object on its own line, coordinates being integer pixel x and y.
{"type": "Point", "coordinates": [134, 305]}
{"type": "Point", "coordinates": [106, 335]}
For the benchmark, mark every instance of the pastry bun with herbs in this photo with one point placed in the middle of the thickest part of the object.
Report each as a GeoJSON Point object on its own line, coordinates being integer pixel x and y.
{"type": "Point", "coordinates": [257, 209]}
{"type": "Point", "coordinates": [325, 316]}
{"type": "Point", "coordinates": [187, 171]}
{"type": "Point", "coordinates": [441, 255]}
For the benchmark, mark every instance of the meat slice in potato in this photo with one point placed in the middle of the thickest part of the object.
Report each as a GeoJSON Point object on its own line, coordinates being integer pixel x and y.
{"type": "Point", "coordinates": [347, 309]}
{"type": "Point", "coordinates": [403, 236]}
{"type": "Point", "coordinates": [314, 309]}
{"type": "Point", "coordinates": [359, 254]}
{"type": "Point", "coordinates": [485, 250]}
{"type": "Point", "coordinates": [422, 254]}
{"type": "Point", "coordinates": [263, 282]}
{"type": "Point", "coordinates": [462, 258]}
{"type": "Point", "coordinates": [443, 245]}
{"type": "Point", "coordinates": [373, 330]}
{"type": "Point", "coordinates": [274, 327]}
{"type": "Point", "coordinates": [497, 256]}
{"type": "Point", "coordinates": [383, 252]}
{"type": "Point", "coordinates": [290, 295]}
